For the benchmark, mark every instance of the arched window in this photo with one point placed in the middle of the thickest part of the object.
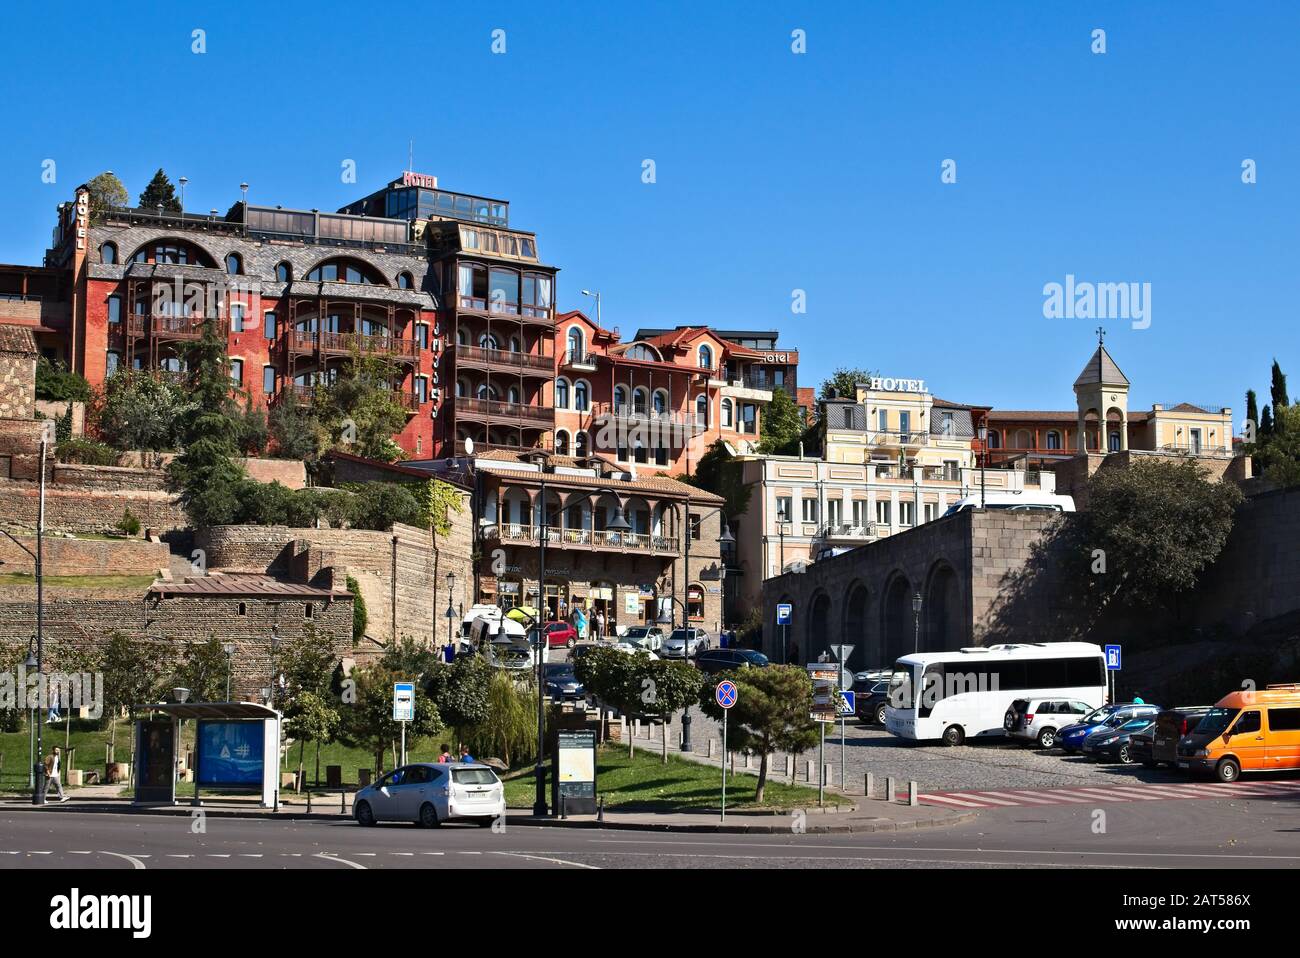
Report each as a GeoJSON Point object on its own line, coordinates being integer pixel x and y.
{"type": "Point", "coordinates": [514, 344]}
{"type": "Point", "coordinates": [640, 399]}
{"type": "Point", "coordinates": [462, 389]}
{"type": "Point", "coordinates": [705, 357]}
{"type": "Point", "coordinates": [1053, 440]}
{"type": "Point", "coordinates": [575, 341]}
{"type": "Point", "coordinates": [702, 410]}
{"type": "Point", "coordinates": [486, 391]}
{"type": "Point", "coordinates": [561, 394]}
{"type": "Point", "coordinates": [404, 280]}
{"type": "Point", "coordinates": [620, 398]}
{"type": "Point", "coordinates": [581, 396]}
{"type": "Point", "coordinates": [1113, 444]}
{"type": "Point", "coordinates": [561, 443]}
{"type": "Point", "coordinates": [345, 271]}
{"type": "Point", "coordinates": [644, 353]}
{"type": "Point", "coordinates": [487, 341]}
{"type": "Point", "coordinates": [580, 444]}
{"type": "Point", "coordinates": [462, 336]}
{"type": "Point", "coordinates": [512, 395]}
{"type": "Point", "coordinates": [726, 414]}
{"type": "Point", "coordinates": [660, 402]}
{"type": "Point", "coordinates": [695, 602]}
{"type": "Point", "coordinates": [234, 264]}
{"type": "Point", "coordinates": [108, 253]}
{"type": "Point", "coordinates": [284, 272]}
{"type": "Point", "coordinates": [1024, 440]}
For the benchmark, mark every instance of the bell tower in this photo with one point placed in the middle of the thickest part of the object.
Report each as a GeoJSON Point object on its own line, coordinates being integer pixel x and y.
{"type": "Point", "coordinates": [1101, 396]}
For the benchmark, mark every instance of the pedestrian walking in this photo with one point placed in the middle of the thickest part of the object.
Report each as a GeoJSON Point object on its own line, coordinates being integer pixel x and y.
{"type": "Point", "coordinates": [54, 773]}
{"type": "Point", "coordinates": [444, 754]}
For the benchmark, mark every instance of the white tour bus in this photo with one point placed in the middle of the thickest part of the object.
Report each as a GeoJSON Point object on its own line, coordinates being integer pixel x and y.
{"type": "Point", "coordinates": [954, 696]}
{"type": "Point", "coordinates": [1029, 501]}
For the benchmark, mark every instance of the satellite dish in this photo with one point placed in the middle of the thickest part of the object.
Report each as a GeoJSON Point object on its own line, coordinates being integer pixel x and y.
{"type": "Point", "coordinates": [469, 446]}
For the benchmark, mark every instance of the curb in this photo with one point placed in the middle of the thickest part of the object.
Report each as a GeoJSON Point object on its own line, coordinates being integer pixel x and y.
{"type": "Point", "coordinates": [753, 828]}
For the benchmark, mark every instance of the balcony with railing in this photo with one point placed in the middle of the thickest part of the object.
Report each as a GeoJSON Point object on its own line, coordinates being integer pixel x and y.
{"type": "Point", "coordinates": [579, 360]}
{"type": "Point", "coordinates": [345, 344]}
{"type": "Point", "coordinates": [497, 410]}
{"type": "Point", "coordinates": [640, 414]}
{"type": "Point", "coordinates": [505, 358]}
{"type": "Point", "coordinates": [169, 327]}
{"type": "Point", "coordinates": [900, 439]}
{"type": "Point", "coordinates": [847, 533]}
{"type": "Point", "coordinates": [599, 539]}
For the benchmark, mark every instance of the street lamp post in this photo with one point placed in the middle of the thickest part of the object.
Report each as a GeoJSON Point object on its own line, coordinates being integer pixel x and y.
{"type": "Point", "coordinates": [916, 617]}
{"type": "Point", "coordinates": [30, 663]}
{"type": "Point", "coordinates": [984, 453]}
{"type": "Point", "coordinates": [229, 649]}
{"type": "Point", "coordinates": [39, 765]}
{"type": "Point", "coordinates": [451, 611]}
{"type": "Point", "coordinates": [182, 181]}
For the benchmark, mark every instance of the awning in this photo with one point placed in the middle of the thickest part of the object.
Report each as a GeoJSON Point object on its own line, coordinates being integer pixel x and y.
{"type": "Point", "coordinates": [210, 710]}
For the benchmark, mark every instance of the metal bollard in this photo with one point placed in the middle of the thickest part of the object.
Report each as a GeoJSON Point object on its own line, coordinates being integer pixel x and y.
{"type": "Point", "coordinates": [869, 784]}
{"type": "Point", "coordinates": [810, 768]}
{"type": "Point", "coordinates": [829, 774]}
{"type": "Point", "coordinates": [343, 802]}
{"type": "Point", "coordinates": [749, 760]}
{"type": "Point", "coordinates": [891, 791]}
{"type": "Point", "coordinates": [789, 767]}
{"type": "Point", "coordinates": [911, 794]}
{"type": "Point", "coordinates": [309, 801]}
{"type": "Point", "coordinates": [710, 752]}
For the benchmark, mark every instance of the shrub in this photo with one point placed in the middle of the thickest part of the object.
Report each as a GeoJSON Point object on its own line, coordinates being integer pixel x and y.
{"type": "Point", "coordinates": [379, 504]}
{"type": "Point", "coordinates": [129, 524]}
{"type": "Point", "coordinates": [55, 381]}
{"type": "Point", "coordinates": [88, 452]}
{"type": "Point", "coordinates": [359, 616]}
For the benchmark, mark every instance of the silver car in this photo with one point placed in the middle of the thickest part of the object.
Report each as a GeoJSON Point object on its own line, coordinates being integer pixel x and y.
{"type": "Point", "coordinates": [684, 643]}
{"type": "Point", "coordinates": [430, 794]}
{"type": "Point", "coordinates": [647, 637]}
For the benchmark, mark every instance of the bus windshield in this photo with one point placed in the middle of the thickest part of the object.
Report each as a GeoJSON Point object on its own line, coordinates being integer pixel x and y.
{"type": "Point", "coordinates": [900, 686]}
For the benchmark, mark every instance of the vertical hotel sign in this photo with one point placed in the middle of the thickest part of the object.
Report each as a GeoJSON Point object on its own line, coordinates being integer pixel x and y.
{"type": "Point", "coordinates": [81, 223]}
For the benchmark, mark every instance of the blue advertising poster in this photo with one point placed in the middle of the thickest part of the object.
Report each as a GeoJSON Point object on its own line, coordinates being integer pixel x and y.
{"type": "Point", "coordinates": [230, 753]}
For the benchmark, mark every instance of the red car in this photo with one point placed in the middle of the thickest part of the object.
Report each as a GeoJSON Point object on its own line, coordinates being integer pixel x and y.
{"type": "Point", "coordinates": [561, 633]}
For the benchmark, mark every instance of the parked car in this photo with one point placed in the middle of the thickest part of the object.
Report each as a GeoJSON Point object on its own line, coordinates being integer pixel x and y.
{"type": "Point", "coordinates": [684, 643]}
{"type": "Point", "coordinates": [430, 794]}
{"type": "Point", "coordinates": [562, 684]}
{"type": "Point", "coordinates": [649, 637]}
{"type": "Point", "coordinates": [1158, 745]}
{"type": "Point", "coordinates": [1071, 737]}
{"type": "Point", "coordinates": [1112, 743]}
{"type": "Point", "coordinates": [1039, 720]}
{"type": "Point", "coordinates": [631, 649]}
{"type": "Point", "coordinates": [870, 699]}
{"type": "Point", "coordinates": [561, 633]}
{"type": "Point", "coordinates": [713, 661]}
{"type": "Point", "coordinates": [873, 675]}
{"type": "Point", "coordinates": [1246, 731]}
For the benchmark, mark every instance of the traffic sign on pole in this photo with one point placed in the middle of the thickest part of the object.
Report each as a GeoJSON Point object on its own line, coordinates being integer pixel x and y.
{"type": "Point", "coordinates": [1112, 658]}
{"type": "Point", "coordinates": [784, 610]}
{"type": "Point", "coordinates": [726, 694]}
{"type": "Point", "coordinates": [848, 703]}
{"type": "Point", "coordinates": [403, 701]}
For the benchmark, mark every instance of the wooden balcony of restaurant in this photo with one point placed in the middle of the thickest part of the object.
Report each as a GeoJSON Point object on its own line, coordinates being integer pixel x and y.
{"type": "Point", "coordinates": [495, 410]}
{"type": "Point", "coordinates": [602, 540]}
{"type": "Point", "coordinates": [510, 360]}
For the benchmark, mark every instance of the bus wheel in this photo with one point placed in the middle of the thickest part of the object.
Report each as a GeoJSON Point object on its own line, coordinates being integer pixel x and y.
{"type": "Point", "coordinates": [953, 735]}
{"type": "Point", "coordinates": [1227, 771]}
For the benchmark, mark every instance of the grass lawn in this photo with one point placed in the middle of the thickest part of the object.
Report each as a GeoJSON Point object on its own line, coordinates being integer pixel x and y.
{"type": "Point", "coordinates": [644, 783]}
{"type": "Point", "coordinates": [80, 581]}
{"type": "Point", "coordinates": [88, 740]}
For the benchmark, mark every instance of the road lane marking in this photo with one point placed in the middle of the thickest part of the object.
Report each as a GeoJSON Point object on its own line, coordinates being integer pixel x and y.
{"type": "Point", "coordinates": [342, 861]}
{"type": "Point", "coordinates": [1023, 798]}
{"type": "Point", "coordinates": [134, 860]}
{"type": "Point", "coordinates": [543, 858]}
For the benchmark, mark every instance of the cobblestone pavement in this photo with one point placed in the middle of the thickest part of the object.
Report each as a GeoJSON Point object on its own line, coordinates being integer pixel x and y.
{"type": "Point", "coordinates": [991, 764]}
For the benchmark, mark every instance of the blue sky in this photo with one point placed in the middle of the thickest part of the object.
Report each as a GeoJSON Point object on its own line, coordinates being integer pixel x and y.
{"type": "Point", "coordinates": [775, 171]}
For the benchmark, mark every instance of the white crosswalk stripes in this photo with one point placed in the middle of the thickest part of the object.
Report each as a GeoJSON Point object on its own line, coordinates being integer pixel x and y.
{"type": "Point", "coordinates": [1128, 792]}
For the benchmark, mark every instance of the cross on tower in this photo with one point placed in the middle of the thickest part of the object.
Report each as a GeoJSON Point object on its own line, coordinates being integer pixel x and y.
{"type": "Point", "coordinates": [1101, 336]}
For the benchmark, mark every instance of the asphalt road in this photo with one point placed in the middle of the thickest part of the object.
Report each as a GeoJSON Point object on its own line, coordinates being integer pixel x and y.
{"type": "Point", "coordinates": [1246, 833]}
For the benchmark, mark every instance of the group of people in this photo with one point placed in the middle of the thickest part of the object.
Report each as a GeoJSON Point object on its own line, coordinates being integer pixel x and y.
{"type": "Point", "coordinates": [587, 626]}
{"type": "Point", "coordinates": [444, 754]}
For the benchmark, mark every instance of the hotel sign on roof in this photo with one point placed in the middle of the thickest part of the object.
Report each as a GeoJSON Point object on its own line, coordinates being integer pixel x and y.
{"type": "Point", "coordinates": [892, 385]}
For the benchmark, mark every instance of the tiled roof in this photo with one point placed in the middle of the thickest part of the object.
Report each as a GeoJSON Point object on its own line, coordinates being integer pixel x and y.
{"type": "Point", "coordinates": [1101, 369]}
{"type": "Point", "coordinates": [17, 339]}
{"type": "Point", "coordinates": [243, 584]}
{"type": "Point", "coordinates": [502, 461]}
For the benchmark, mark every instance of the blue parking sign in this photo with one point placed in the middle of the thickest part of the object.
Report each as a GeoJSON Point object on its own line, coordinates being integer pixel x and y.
{"type": "Point", "coordinates": [1112, 658]}
{"type": "Point", "coordinates": [783, 613]}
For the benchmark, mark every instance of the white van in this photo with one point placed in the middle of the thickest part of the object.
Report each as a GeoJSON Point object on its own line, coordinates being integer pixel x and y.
{"type": "Point", "coordinates": [1016, 502]}
{"type": "Point", "coordinates": [503, 641]}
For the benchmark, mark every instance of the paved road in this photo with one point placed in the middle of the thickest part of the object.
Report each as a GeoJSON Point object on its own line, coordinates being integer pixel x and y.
{"type": "Point", "coordinates": [1216, 833]}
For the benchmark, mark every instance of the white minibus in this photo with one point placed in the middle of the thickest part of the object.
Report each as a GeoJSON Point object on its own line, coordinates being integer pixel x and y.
{"type": "Point", "coordinates": [953, 696]}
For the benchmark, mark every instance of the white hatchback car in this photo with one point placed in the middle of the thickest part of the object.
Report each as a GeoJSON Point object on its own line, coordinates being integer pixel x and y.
{"type": "Point", "coordinates": [430, 794]}
{"type": "Point", "coordinates": [1040, 719]}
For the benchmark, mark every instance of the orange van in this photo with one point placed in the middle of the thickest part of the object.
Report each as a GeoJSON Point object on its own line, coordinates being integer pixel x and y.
{"type": "Point", "coordinates": [1247, 731]}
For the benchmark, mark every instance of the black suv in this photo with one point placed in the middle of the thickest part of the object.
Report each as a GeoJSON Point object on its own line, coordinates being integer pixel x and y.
{"type": "Point", "coordinates": [869, 701]}
{"type": "Point", "coordinates": [713, 661]}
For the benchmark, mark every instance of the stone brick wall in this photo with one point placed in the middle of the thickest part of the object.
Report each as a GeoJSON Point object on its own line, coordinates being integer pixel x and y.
{"type": "Point", "coordinates": [75, 623]}
{"type": "Point", "coordinates": [20, 448]}
{"type": "Point", "coordinates": [84, 556]}
{"type": "Point", "coordinates": [106, 478]}
{"type": "Point", "coordinates": [17, 385]}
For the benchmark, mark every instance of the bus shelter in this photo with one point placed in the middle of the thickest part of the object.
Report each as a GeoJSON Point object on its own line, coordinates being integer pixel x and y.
{"type": "Point", "coordinates": [236, 749]}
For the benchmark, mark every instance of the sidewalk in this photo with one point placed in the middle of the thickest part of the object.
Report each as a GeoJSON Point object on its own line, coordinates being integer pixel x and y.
{"type": "Point", "coordinates": [874, 815]}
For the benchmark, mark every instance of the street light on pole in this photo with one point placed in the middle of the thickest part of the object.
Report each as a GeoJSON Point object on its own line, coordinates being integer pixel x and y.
{"type": "Point", "coordinates": [916, 617]}
{"type": "Point", "coordinates": [229, 649]}
{"type": "Point", "coordinates": [182, 181]}
{"type": "Point", "coordinates": [596, 295]}
{"type": "Point", "coordinates": [451, 611]}
{"type": "Point", "coordinates": [984, 452]}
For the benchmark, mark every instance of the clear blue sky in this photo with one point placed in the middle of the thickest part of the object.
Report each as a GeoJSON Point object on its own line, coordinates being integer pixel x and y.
{"type": "Point", "coordinates": [775, 171]}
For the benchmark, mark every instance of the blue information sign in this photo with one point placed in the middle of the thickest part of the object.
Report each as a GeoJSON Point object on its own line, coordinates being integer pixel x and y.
{"type": "Point", "coordinates": [783, 613]}
{"type": "Point", "coordinates": [1112, 658]}
{"type": "Point", "coordinates": [848, 703]}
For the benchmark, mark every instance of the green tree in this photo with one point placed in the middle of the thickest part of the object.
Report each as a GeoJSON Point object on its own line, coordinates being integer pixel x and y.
{"type": "Point", "coordinates": [1265, 423]}
{"type": "Point", "coordinates": [106, 192]}
{"type": "Point", "coordinates": [842, 384]}
{"type": "Point", "coordinates": [368, 712]}
{"type": "Point", "coordinates": [252, 430]}
{"type": "Point", "coordinates": [295, 431]}
{"type": "Point", "coordinates": [1158, 526]}
{"type": "Point", "coordinates": [132, 670]}
{"type": "Point", "coordinates": [137, 411]}
{"type": "Point", "coordinates": [205, 474]}
{"type": "Point", "coordinates": [360, 409]}
{"type": "Point", "coordinates": [359, 615]}
{"type": "Point", "coordinates": [1280, 456]}
{"type": "Point", "coordinates": [54, 381]}
{"type": "Point", "coordinates": [460, 690]}
{"type": "Point", "coordinates": [377, 505]}
{"type": "Point", "coordinates": [718, 472]}
{"type": "Point", "coordinates": [783, 425]}
{"type": "Point", "coordinates": [665, 688]}
{"type": "Point", "coordinates": [305, 664]}
{"type": "Point", "coordinates": [204, 670]}
{"type": "Point", "coordinates": [770, 714]}
{"type": "Point", "coordinates": [1277, 391]}
{"type": "Point", "coordinates": [510, 729]}
{"type": "Point", "coordinates": [160, 192]}
{"type": "Point", "coordinates": [1252, 417]}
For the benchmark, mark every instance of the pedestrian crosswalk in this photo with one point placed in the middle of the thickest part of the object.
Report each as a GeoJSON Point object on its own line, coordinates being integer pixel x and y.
{"type": "Point", "coordinates": [1099, 795]}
